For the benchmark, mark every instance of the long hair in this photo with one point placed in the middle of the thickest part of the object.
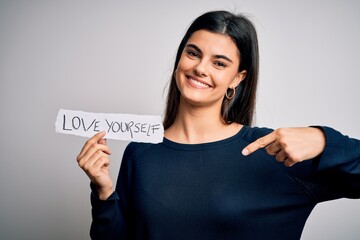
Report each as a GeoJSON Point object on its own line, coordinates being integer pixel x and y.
{"type": "Point", "coordinates": [239, 109]}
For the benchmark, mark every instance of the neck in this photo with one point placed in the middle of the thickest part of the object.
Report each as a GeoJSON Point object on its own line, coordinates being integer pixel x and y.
{"type": "Point", "coordinates": [196, 124]}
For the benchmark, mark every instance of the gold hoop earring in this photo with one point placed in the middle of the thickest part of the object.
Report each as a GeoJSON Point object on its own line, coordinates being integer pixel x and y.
{"type": "Point", "coordinates": [230, 96]}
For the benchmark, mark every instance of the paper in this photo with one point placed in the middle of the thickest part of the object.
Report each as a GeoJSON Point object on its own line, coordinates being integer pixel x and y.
{"type": "Point", "coordinates": [126, 127]}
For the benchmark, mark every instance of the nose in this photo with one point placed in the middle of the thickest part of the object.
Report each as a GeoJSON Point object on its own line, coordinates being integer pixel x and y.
{"type": "Point", "coordinates": [200, 69]}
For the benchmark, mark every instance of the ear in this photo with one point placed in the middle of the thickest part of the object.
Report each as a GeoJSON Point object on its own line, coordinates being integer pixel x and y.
{"type": "Point", "coordinates": [238, 78]}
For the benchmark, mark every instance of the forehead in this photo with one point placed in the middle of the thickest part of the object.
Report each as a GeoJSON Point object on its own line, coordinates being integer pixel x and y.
{"type": "Point", "coordinates": [214, 43]}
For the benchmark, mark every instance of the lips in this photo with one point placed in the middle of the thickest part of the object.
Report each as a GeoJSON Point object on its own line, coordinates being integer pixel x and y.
{"type": "Point", "coordinates": [197, 83]}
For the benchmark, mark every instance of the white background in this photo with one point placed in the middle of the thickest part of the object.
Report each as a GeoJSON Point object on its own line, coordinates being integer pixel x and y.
{"type": "Point", "coordinates": [116, 56]}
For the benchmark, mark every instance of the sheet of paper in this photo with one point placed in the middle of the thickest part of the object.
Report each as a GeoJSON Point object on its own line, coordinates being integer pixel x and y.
{"type": "Point", "coordinates": [126, 127]}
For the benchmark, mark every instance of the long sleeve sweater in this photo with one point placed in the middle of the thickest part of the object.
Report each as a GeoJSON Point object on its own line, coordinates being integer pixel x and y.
{"type": "Point", "coordinates": [211, 191]}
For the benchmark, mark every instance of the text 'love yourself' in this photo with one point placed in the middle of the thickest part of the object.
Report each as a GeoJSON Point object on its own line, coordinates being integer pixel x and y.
{"type": "Point", "coordinates": [130, 127]}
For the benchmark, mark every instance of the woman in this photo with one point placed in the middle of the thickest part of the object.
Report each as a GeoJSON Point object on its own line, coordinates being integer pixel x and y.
{"type": "Point", "coordinates": [199, 182]}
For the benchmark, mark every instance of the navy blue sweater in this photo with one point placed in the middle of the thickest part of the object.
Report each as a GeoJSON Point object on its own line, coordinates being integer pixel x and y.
{"type": "Point", "coordinates": [211, 191]}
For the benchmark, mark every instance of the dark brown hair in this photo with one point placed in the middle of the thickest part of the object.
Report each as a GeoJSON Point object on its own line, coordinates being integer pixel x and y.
{"type": "Point", "coordinates": [241, 108]}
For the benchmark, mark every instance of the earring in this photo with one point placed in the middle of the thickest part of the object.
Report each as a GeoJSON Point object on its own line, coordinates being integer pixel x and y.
{"type": "Point", "coordinates": [231, 95]}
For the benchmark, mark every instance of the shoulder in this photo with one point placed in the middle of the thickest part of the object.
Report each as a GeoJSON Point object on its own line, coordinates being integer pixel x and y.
{"type": "Point", "coordinates": [253, 133]}
{"type": "Point", "coordinates": [135, 150]}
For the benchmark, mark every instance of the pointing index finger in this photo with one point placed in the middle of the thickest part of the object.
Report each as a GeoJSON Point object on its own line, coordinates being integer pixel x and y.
{"type": "Point", "coordinates": [259, 143]}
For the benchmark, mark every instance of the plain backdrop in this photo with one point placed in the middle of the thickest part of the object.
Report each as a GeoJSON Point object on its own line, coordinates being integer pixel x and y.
{"type": "Point", "coordinates": [116, 57]}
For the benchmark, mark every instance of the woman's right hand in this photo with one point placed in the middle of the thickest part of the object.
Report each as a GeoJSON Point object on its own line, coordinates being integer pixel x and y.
{"type": "Point", "coordinates": [94, 160]}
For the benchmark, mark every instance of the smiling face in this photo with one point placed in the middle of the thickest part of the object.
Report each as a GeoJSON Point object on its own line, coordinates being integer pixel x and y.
{"type": "Point", "coordinates": [208, 66]}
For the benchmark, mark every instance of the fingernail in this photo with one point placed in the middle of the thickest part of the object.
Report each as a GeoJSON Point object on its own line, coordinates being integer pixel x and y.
{"type": "Point", "coordinates": [245, 152]}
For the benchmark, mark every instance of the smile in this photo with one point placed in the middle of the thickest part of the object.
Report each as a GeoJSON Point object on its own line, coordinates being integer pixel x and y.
{"type": "Point", "coordinates": [197, 83]}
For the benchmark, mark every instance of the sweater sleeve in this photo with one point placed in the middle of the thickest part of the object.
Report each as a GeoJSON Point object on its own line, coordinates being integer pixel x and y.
{"type": "Point", "coordinates": [342, 152]}
{"type": "Point", "coordinates": [335, 173]}
{"type": "Point", "coordinates": [110, 218]}
{"type": "Point", "coordinates": [107, 220]}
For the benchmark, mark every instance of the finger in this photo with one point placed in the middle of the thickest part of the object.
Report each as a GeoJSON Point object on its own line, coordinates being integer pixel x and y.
{"type": "Point", "coordinates": [289, 163]}
{"type": "Point", "coordinates": [102, 162]}
{"type": "Point", "coordinates": [274, 148]}
{"type": "Point", "coordinates": [102, 141]}
{"type": "Point", "coordinates": [91, 151]}
{"type": "Point", "coordinates": [90, 156]}
{"type": "Point", "coordinates": [91, 141]}
{"type": "Point", "coordinates": [259, 143]}
{"type": "Point", "coordinates": [281, 156]}
{"type": "Point", "coordinates": [92, 161]}
{"type": "Point", "coordinates": [95, 170]}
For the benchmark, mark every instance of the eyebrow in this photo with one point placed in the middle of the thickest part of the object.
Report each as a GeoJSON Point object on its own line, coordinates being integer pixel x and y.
{"type": "Point", "coordinates": [216, 56]}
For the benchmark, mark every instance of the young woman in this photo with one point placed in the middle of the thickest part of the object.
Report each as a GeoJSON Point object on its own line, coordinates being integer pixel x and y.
{"type": "Point", "coordinates": [214, 176]}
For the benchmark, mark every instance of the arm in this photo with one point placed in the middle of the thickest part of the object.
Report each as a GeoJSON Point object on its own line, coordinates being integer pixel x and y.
{"type": "Point", "coordinates": [341, 151]}
{"type": "Point", "coordinates": [330, 165]}
{"type": "Point", "coordinates": [341, 157]}
{"type": "Point", "coordinates": [111, 217]}
{"type": "Point", "coordinates": [108, 222]}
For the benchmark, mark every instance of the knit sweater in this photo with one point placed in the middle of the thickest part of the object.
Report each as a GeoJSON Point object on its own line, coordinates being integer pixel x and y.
{"type": "Point", "coordinates": [211, 191]}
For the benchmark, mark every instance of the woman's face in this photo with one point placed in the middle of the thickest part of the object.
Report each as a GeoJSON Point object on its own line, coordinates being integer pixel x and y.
{"type": "Point", "coordinates": [208, 66]}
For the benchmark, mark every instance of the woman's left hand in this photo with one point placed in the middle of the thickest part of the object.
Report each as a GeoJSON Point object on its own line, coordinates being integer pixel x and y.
{"type": "Point", "coordinates": [290, 145]}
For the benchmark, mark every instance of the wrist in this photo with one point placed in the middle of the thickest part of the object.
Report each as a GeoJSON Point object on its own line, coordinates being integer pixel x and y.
{"type": "Point", "coordinates": [104, 193]}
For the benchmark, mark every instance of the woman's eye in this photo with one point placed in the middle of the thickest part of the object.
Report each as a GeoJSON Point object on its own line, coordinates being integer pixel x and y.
{"type": "Point", "coordinates": [192, 53]}
{"type": "Point", "coordinates": [220, 64]}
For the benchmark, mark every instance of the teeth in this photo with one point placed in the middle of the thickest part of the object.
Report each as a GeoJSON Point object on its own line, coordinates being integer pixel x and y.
{"type": "Point", "coordinates": [198, 83]}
